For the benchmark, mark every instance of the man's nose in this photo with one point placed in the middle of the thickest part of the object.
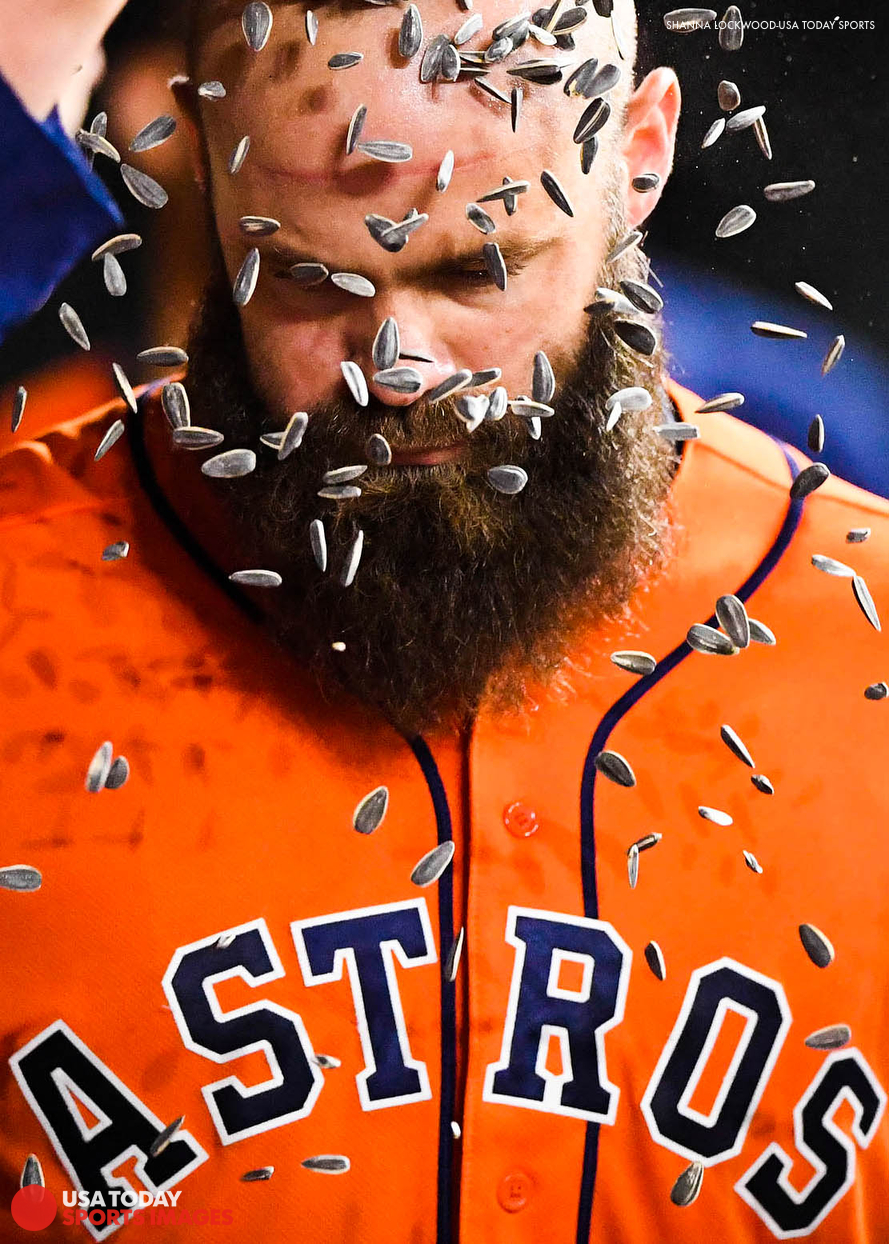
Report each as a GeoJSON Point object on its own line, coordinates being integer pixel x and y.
{"type": "Point", "coordinates": [401, 350]}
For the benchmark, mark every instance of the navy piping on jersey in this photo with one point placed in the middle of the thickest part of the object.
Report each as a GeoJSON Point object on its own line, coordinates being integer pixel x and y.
{"type": "Point", "coordinates": [617, 711]}
{"type": "Point", "coordinates": [448, 1009]}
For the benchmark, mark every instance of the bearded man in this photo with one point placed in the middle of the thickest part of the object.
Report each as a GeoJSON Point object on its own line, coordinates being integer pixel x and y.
{"type": "Point", "coordinates": [479, 848]}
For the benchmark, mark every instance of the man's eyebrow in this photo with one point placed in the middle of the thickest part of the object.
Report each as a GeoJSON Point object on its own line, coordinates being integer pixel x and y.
{"type": "Point", "coordinates": [516, 253]}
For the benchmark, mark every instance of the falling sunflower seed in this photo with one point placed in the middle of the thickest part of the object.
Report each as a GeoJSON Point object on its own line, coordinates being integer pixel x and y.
{"type": "Point", "coordinates": [543, 384]}
{"type": "Point", "coordinates": [638, 337]}
{"type": "Point", "coordinates": [495, 264]}
{"type": "Point", "coordinates": [163, 356]}
{"type": "Point", "coordinates": [163, 1138]}
{"type": "Point", "coordinates": [736, 221]}
{"type": "Point", "coordinates": [386, 344]}
{"type": "Point", "coordinates": [18, 407]}
{"type": "Point", "coordinates": [352, 283]}
{"type": "Point", "coordinates": [291, 437]}
{"type": "Point", "coordinates": [725, 401]}
{"type": "Point", "coordinates": [507, 479]}
{"type": "Point", "coordinates": [635, 398]}
{"type": "Point", "coordinates": [527, 408]}
{"type": "Point", "coordinates": [211, 90]}
{"type": "Point", "coordinates": [706, 639]}
{"type": "Point", "coordinates": [833, 355]}
{"type": "Point", "coordinates": [97, 144]}
{"type": "Point", "coordinates": [876, 691]}
{"type": "Point", "coordinates": [472, 409]}
{"type": "Point", "coordinates": [256, 23]}
{"type": "Point", "coordinates": [318, 541]}
{"type": "Point", "coordinates": [497, 405]}
{"type": "Point", "coordinates": [744, 119]}
{"type": "Point", "coordinates": [728, 95]}
{"type": "Point", "coordinates": [858, 535]}
{"type": "Point", "coordinates": [398, 233]}
{"type": "Point", "coordinates": [716, 815]}
{"type": "Point", "coordinates": [344, 474]}
{"type": "Point", "coordinates": [633, 866]}
{"type": "Point", "coordinates": [479, 217]}
{"type": "Point", "coordinates": [175, 403]}
{"type": "Point", "coordinates": [117, 245]}
{"type": "Point", "coordinates": [378, 449]}
{"type": "Point", "coordinates": [327, 1163]}
{"type": "Point", "coordinates": [731, 29]}
{"type": "Point", "coordinates": [684, 21]}
{"type": "Point", "coordinates": [677, 431]}
{"type": "Point", "coordinates": [258, 226]}
{"type": "Point", "coordinates": [810, 478]}
{"type": "Point", "coordinates": [831, 1038]}
{"type": "Point", "coordinates": [816, 945]}
{"type": "Point", "coordinates": [196, 438]}
{"type": "Point", "coordinates": [354, 378]}
{"type": "Point", "coordinates": [245, 281]}
{"type": "Point", "coordinates": [516, 95]}
{"type": "Point", "coordinates": [785, 191]}
{"type": "Point", "coordinates": [353, 560]}
{"type": "Point", "coordinates": [761, 134]}
{"type": "Point", "coordinates": [736, 745]}
{"type": "Point", "coordinates": [643, 297]}
{"type": "Point", "coordinates": [831, 566]}
{"type": "Point", "coordinates": [646, 182]}
{"type": "Point", "coordinates": [778, 332]}
{"type": "Point", "coordinates": [111, 437]}
{"type": "Point", "coordinates": [592, 120]}
{"type": "Point", "coordinates": [258, 1175]}
{"type": "Point", "coordinates": [231, 464]}
{"type": "Point", "coordinates": [399, 379]}
{"type": "Point", "coordinates": [616, 768]}
{"type": "Point", "coordinates": [509, 187]}
{"type": "Point", "coordinates": [124, 387]}
{"type": "Point", "coordinates": [760, 633]}
{"type": "Point", "coordinates": [99, 768]}
{"type": "Point", "coordinates": [579, 79]}
{"type": "Point", "coordinates": [154, 133]}
{"type": "Point", "coordinates": [73, 326]}
{"type": "Point", "coordinates": [687, 1187]}
{"type": "Point", "coordinates": [430, 66]}
{"type": "Point", "coordinates": [865, 601]}
{"type": "Point", "coordinates": [552, 187]}
{"type": "Point", "coordinates": [32, 1173]}
{"type": "Point", "coordinates": [143, 188]}
{"type": "Point", "coordinates": [433, 864]}
{"type": "Point", "coordinates": [640, 663]}
{"type": "Point", "coordinates": [115, 552]}
{"type": "Point", "coordinates": [815, 435]}
{"type": "Point", "coordinates": [752, 862]}
{"type": "Point", "coordinates": [713, 133]}
{"type": "Point", "coordinates": [654, 957]}
{"type": "Point", "coordinates": [445, 172]}
{"type": "Point", "coordinates": [311, 27]}
{"type": "Point", "coordinates": [453, 384]}
{"type": "Point", "coordinates": [732, 617]}
{"type": "Point", "coordinates": [486, 376]}
{"type": "Point", "coordinates": [256, 578]}
{"type": "Point", "coordinates": [630, 240]}
{"type": "Point", "coordinates": [588, 152]}
{"type": "Point", "coordinates": [306, 274]}
{"type": "Point", "coordinates": [239, 155]}
{"type": "Point", "coordinates": [326, 1061]}
{"type": "Point", "coordinates": [21, 878]}
{"type": "Point", "coordinates": [811, 294]}
{"type": "Point", "coordinates": [114, 276]}
{"type": "Point", "coordinates": [452, 962]}
{"type": "Point", "coordinates": [345, 60]}
{"type": "Point", "coordinates": [386, 151]}
{"type": "Point", "coordinates": [369, 812]}
{"type": "Point", "coordinates": [339, 492]}
{"type": "Point", "coordinates": [762, 784]}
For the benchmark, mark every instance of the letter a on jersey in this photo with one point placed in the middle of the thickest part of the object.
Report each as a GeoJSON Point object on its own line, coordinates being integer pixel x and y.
{"type": "Point", "coordinates": [542, 1007]}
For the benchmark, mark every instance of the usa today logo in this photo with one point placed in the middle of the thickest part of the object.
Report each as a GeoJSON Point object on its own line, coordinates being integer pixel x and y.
{"type": "Point", "coordinates": [34, 1208]}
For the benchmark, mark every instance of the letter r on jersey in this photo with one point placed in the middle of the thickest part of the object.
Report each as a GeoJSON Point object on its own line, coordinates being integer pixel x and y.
{"type": "Point", "coordinates": [368, 941]}
{"type": "Point", "coordinates": [543, 1006]}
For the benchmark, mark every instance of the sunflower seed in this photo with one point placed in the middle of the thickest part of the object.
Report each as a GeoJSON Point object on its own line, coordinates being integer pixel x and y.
{"type": "Point", "coordinates": [761, 134]}
{"type": "Point", "coordinates": [458, 380]}
{"type": "Point", "coordinates": [687, 1187]}
{"type": "Point", "coordinates": [638, 337]}
{"type": "Point", "coordinates": [378, 450]}
{"type": "Point", "coordinates": [163, 1138]}
{"type": "Point", "coordinates": [736, 745]}
{"type": "Point", "coordinates": [326, 1061]}
{"type": "Point", "coordinates": [73, 326]}
{"type": "Point", "coordinates": [259, 226]}
{"type": "Point", "coordinates": [507, 479]}
{"type": "Point", "coordinates": [731, 29]}
{"type": "Point", "coordinates": [608, 300]}
{"type": "Point", "coordinates": [495, 264]}
{"type": "Point", "coordinates": [345, 60]}
{"type": "Point", "coordinates": [591, 120]}
{"type": "Point", "coordinates": [816, 945]}
{"type": "Point", "coordinates": [189, 437]}
{"type": "Point", "coordinates": [784, 191]}
{"type": "Point", "coordinates": [472, 409]}
{"type": "Point", "coordinates": [328, 1163]}
{"type": "Point", "coordinates": [430, 66]}
{"type": "Point", "coordinates": [98, 125]}
{"type": "Point", "coordinates": [497, 404]}
{"type": "Point", "coordinates": [154, 133]}
{"type": "Point", "coordinates": [728, 95]}
{"type": "Point", "coordinates": [810, 478]}
{"type": "Point", "coordinates": [534, 427]}
{"type": "Point", "coordinates": [163, 356]}
{"type": "Point", "coordinates": [555, 192]}
{"type": "Point", "coordinates": [815, 435]}
{"type": "Point", "coordinates": [118, 774]}
{"type": "Point", "coordinates": [497, 51]}
{"type": "Point", "coordinates": [684, 21]}
{"type": "Point", "coordinates": [98, 144]}
{"type": "Point", "coordinates": [831, 566]}
{"type": "Point", "coordinates": [494, 91]}
{"type": "Point", "coordinates": [352, 561]}
{"type": "Point", "coordinates": [399, 379]}
{"type": "Point", "coordinates": [32, 1173]}
{"type": "Point", "coordinates": [20, 877]}
{"type": "Point", "coordinates": [115, 552]}
{"type": "Point", "coordinates": [231, 464]}
{"type": "Point", "coordinates": [174, 400]}
{"type": "Point", "coordinates": [675, 432]}
{"type": "Point", "coordinates": [256, 578]}
{"type": "Point", "coordinates": [744, 119]}
{"type": "Point", "coordinates": [833, 355]}
{"type": "Point", "coordinates": [256, 23]}
{"type": "Point", "coordinates": [654, 957]}
{"type": "Point", "coordinates": [339, 492]}
{"type": "Point", "coordinates": [445, 172]}
{"type": "Point", "coordinates": [865, 601]}
{"type": "Point", "coordinates": [616, 768]}
{"type": "Point", "coordinates": [352, 283]}
{"type": "Point", "coordinates": [725, 401]}
{"type": "Point", "coordinates": [211, 90]}
{"type": "Point", "coordinates": [369, 812]}
{"type": "Point", "coordinates": [762, 783]}
{"type": "Point", "coordinates": [311, 27]}
{"type": "Point", "coordinates": [752, 862]}
{"type": "Point", "coordinates": [387, 344]}
{"type": "Point", "coordinates": [450, 63]}
{"type": "Point", "coordinates": [527, 408]}
{"type": "Point", "coordinates": [812, 294]}
{"type": "Point", "coordinates": [510, 26]}
{"type": "Point", "coordinates": [256, 1176]}
{"type": "Point", "coordinates": [760, 633]}
{"type": "Point", "coordinates": [508, 189]}
{"type": "Point", "coordinates": [646, 182]}
{"type": "Point", "coordinates": [479, 217]}
{"type": "Point", "coordinates": [99, 767]}
{"type": "Point", "coordinates": [124, 387]}
{"type": "Point", "coordinates": [433, 864]}
{"type": "Point", "coordinates": [635, 398]}
{"type": "Point", "coordinates": [715, 815]}
{"type": "Point", "coordinates": [543, 37]}
{"type": "Point", "coordinates": [245, 281]}
{"type": "Point", "coordinates": [452, 962]}
{"type": "Point", "coordinates": [735, 221]}
{"type": "Point", "coordinates": [858, 535]}
{"type": "Point", "coordinates": [224, 940]}
{"type": "Point", "coordinates": [111, 437]}
{"type": "Point", "coordinates": [570, 20]}
{"type": "Point", "coordinates": [318, 541]}
{"type": "Point", "coordinates": [646, 843]}
{"type": "Point", "coordinates": [641, 663]}
{"type": "Point", "coordinates": [18, 407]}
{"type": "Point", "coordinates": [306, 274]}
{"type": "Point", "coordinates": [143, 188]}
{"type": "Point", "coordinates": [778, 332]}
{"type": "Point", "coordinates": [876, 691]}
{"type": "Point", "coordinates": [588, 152]}
{"type": "Point", "coordinates": [544, 72]}
{"type": "Point", "coordinates": [344, 474]}
{"type": "Point", "coordinates": [713, 133]}
{"type": "Point", "coordinates": [516, 95]}
{"type": "Point", "coordinates": [832, 1038]}
{"type": "Point", "coordinates": [486, 376]}
{"type": "Point", "coordinates": [643, 297]}
{"type": "Point", "coordinates": [114, 277]}
{"type": "Point", "coordinates": [239, 155]}
{"type": "Point", "coordinates": [354, 378]}
{"type": "Point", "coordinates": [117, 245]}
{"type": "Point", "coordinates": [470, 27]}
{"type": "Point", "coordinates": [707, 639]}
{"type": "Point", "coordinates": [579, 79]}
{"type": "Point", "coordinates": [543, 384]}
{"type": "Point", "coordinates": [633, 866]}
{"type": "Point", "coordinates": [732, 617]}
{"type": "Point", "coordinates": [395, 237]}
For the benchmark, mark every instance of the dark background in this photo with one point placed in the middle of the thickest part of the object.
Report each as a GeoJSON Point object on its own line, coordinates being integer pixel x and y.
{"type": "Point", "coordinates": [826, 115]}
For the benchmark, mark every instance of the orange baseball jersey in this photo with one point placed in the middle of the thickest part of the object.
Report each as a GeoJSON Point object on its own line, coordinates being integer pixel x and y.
{"type": "Point", "coordinates": [214, 940]}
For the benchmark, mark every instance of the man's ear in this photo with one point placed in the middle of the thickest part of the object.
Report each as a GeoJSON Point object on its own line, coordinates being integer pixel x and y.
{"type": "Point", "coordinates": [649, 139]}
{"type": "Point", "coordinates": [187, 100]}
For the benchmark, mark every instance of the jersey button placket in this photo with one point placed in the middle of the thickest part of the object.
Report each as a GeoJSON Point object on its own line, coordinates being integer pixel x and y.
{"type": "Point", "coordinates": [520, 820]}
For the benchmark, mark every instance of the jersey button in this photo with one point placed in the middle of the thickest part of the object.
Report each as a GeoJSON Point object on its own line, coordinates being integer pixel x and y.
{"type": "Point", "coordinates": [514, 1191]}
{"type": "Point", "coordinates": [520, 820]}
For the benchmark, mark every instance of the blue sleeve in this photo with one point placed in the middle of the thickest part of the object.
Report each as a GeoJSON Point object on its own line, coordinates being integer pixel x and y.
{"type": "Point", "coordinates": [52, 208]}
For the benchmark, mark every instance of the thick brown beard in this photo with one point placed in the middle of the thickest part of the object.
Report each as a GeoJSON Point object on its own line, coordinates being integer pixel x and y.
{"type": "Point", "coordinates": [461, 591]}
